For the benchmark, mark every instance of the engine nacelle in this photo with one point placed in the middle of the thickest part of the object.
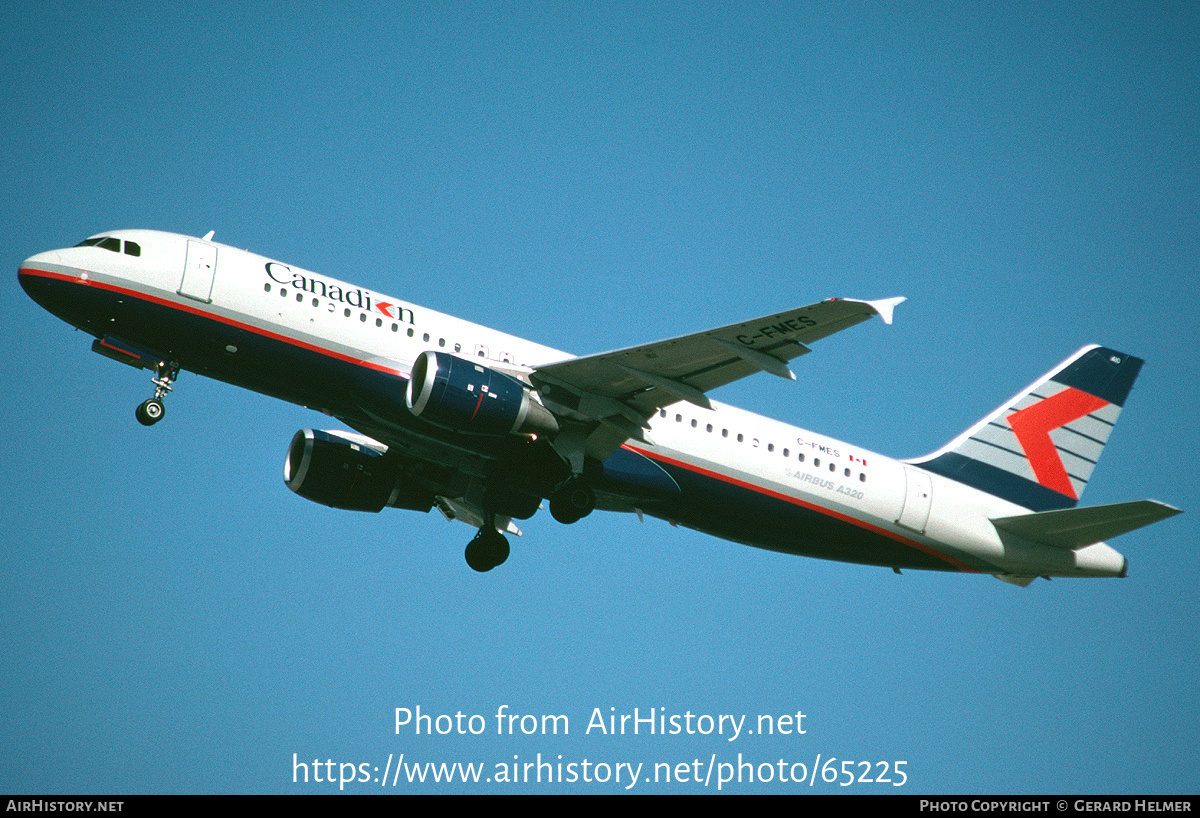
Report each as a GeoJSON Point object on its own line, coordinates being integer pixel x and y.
{"type": "Point", "coordinates": [464, 396]}
{"type": "Point", "coordinates": [345, 471]}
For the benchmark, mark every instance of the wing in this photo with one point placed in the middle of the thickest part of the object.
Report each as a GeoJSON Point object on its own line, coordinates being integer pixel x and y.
{"type": "Point", "coordinates": [610, 396]}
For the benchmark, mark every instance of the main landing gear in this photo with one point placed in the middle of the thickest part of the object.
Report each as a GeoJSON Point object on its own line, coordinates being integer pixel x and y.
{"type": "Point", "coordinates": [569, 503]}
{"type": "Point", "coordinates": [151, 411]}
{"type": "Point", "coordinates": [487, 550]}
{"type": "Point", "coordinates": [572, 501]}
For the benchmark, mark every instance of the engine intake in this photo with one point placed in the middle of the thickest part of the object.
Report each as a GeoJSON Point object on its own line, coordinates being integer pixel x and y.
{"type": "Point", "coordinates": [464, 396]}
{"type": "Point", "coordinates": [343, 472]}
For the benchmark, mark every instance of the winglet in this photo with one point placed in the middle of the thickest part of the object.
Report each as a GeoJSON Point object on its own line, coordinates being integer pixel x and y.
{"type": "Point", "coordinates": [883, 306]}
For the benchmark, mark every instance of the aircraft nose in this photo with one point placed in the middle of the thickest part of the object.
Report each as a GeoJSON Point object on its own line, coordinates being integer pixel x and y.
{"type": "Point", "coordinates": [41, 259]}
{"type": "Point", "coordinates": [40, 275]}
{"type": "Point", "coordinates": [37, 266]}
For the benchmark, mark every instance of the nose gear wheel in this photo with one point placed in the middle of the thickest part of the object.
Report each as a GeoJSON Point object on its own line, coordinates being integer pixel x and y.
{"type": "Point", "coordinates": [151, 411]}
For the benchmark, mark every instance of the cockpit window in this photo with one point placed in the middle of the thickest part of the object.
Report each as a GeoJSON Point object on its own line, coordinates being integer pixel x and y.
{"type": "Point", "coordinates": [132, 248]}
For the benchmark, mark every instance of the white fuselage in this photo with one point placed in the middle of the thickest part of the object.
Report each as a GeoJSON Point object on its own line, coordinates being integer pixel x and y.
{"type": "Point", "coordinates": [241, 295]}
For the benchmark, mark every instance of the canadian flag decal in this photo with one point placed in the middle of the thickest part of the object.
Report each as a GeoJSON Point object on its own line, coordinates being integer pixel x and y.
{"type": "Point", "coordinates": [1033, 425]}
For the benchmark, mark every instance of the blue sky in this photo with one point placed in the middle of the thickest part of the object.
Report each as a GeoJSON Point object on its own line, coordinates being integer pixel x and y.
{"type": "Point", "coordinates": [591, 176]}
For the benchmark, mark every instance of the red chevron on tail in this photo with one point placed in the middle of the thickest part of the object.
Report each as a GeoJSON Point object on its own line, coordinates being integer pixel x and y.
{"type": "Point", "coordinates": [1033, 425]}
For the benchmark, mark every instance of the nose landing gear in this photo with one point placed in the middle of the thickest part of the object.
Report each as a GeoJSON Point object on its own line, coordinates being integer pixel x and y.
{"type": "Point", "coordinates": [151, 411]}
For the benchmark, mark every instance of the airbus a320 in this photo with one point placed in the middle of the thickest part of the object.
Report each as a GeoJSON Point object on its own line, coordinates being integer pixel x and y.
{"type": "Point", "coordinates": [485, 426]}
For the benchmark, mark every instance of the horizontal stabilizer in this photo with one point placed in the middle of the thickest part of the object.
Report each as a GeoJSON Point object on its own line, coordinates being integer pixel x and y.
{"type": "Point", "coordinates": [1077, 527]}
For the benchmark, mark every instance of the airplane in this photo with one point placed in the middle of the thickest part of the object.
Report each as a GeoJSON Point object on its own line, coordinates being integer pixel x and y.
{"type": "Point", "coordinates": [484, 426]}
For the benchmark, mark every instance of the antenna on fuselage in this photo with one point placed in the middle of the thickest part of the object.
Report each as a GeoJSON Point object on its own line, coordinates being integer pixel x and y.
{"type": "Point", "coordinates": [208, 236]}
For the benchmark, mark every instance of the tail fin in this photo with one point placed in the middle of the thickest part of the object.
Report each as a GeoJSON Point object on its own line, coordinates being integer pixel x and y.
{"type": "Point", "coordinates": [1038, 449]}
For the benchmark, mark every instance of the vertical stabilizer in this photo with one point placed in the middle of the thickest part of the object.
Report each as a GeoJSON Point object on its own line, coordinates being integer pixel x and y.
{"type": "Point", "coordinates": [1038, 449]}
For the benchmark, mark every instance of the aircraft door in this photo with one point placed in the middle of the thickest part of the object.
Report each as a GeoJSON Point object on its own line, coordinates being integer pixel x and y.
{"type": "Point", "coordinates": [918, 495]}
{"type": "Point", "coordinates": [199, 271]}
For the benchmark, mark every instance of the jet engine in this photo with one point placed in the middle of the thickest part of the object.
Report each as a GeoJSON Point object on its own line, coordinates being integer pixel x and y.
{"type": "Point", "coordinates": [464, 396]}
{"type": "Point", "coordinates": [346, 471]}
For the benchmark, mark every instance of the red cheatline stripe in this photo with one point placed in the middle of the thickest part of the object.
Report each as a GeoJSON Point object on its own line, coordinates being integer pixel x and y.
{"type": "Point", "coordinates": [175, 305]}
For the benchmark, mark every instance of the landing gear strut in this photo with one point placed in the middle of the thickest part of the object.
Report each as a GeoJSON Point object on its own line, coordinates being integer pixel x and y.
{"type": "Point", "coordinates": [487, 550]}
{"type": "Point", "coordinates": [151, 411]}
